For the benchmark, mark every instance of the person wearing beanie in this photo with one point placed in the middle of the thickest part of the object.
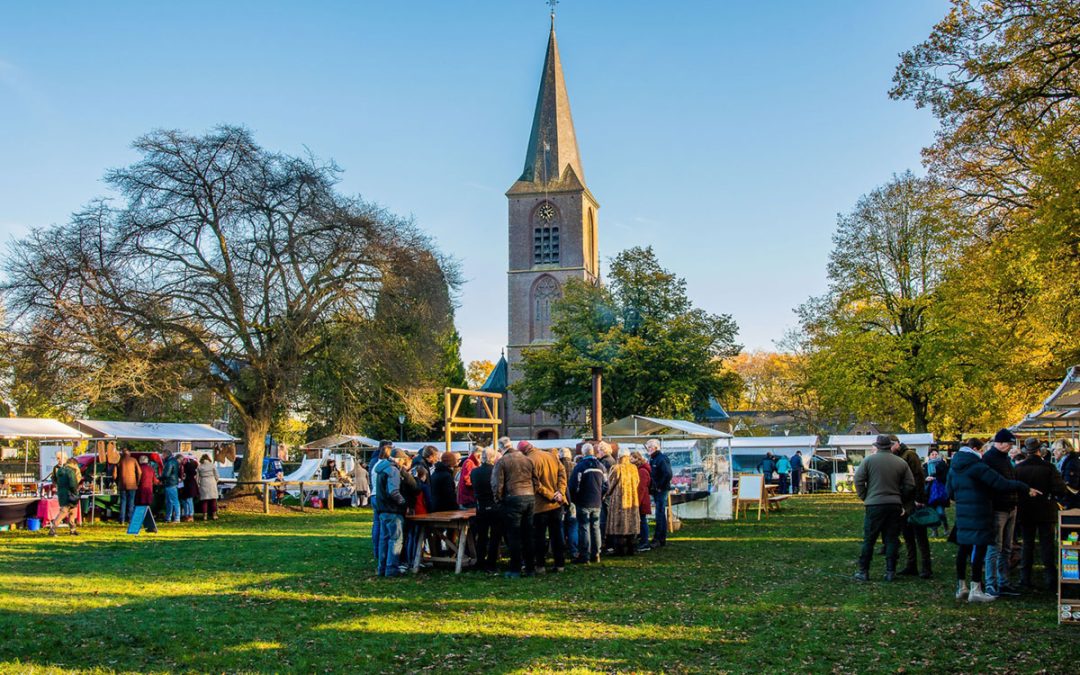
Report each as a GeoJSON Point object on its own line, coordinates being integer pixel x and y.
{"type": "Point", "coordinates": [443, 490]}
{"type": "Point", "coordinates": [1037, 515]}
{"type": "Point", "coordinates": [972, 485]}
{"type": "Point", "coordinates": [514, 481]}
{"type": "Point", "coordinates": [999, 552]}
{"type": "Point", "coordinates": [884, 483]}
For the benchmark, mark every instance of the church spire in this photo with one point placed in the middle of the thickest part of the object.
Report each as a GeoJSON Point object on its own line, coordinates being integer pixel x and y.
{"type": "Point", "coordinates": [553, 146]}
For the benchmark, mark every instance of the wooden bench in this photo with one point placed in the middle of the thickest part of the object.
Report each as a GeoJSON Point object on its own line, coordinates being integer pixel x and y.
{"type": "Point", "coordinates": [434, 524]}
{"type": "Point", "coordinates": [774, 502]}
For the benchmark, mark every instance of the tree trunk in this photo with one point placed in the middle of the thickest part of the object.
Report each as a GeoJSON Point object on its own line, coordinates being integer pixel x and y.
{"type": "Point", "coordinates": [255, 430]}
{"type": "Point", "coordinates": [920, 407]}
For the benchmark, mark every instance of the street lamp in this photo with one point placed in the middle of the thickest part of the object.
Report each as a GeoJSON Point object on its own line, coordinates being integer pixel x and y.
{"type": "Point", "coordinates": [401, 428]}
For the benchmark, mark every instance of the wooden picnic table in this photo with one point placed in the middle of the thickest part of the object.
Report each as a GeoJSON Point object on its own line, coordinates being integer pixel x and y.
{"type": "Point", "coordinates": [436, 524]}
{"type": "Point", "coordinates": [268, 485]}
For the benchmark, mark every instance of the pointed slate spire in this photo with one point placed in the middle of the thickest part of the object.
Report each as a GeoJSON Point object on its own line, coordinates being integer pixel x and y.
{"type": "Point", "coordinates": [552, 144]}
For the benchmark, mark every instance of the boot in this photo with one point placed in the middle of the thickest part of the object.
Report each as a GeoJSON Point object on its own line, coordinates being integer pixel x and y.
{"type": "Point", "coordinates": [862, 576]}
{"type": "Point", "coordinates": [52, 530]}
{"type": "Point", "coordinates": [1025, 580]}
{"type": "Point", "coordinates": [926, 572]}
{"type": "Point", "coordinates": [977, 595]}
{"type": "Point", "coordinates": [961, 590]}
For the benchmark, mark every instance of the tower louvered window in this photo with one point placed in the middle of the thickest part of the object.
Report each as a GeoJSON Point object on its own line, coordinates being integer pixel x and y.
{"type": "Point", "coordinates": [546, 244]}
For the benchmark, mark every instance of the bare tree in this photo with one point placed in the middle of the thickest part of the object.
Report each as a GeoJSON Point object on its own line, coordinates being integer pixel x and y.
{"type": "Point", "coordinates": [224, 257]}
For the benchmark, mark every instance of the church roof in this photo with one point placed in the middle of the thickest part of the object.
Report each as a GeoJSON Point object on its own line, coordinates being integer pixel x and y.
{"type": "Point", "coordinates": [497, 379]}
{"type": "Point", "coordinates": [713, 412]}
{"type": "Point", "coordinates": [552, 156]}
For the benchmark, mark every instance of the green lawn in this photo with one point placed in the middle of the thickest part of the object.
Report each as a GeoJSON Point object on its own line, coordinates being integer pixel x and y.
{"type": "Point", "coordinates": [297, 593]}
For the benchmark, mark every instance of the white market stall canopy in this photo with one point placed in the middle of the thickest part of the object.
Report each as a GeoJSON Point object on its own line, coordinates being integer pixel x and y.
{"type": "Point", "coordinates": [786, 445]}
{"type": "Point", "coordinates": [1060, 411]}
{"type": "Point", "coordinates": [920, 443]}
{"type": "Point", "coordinates": [341, 441]}
{"type": "Point", "coordinates": [417, 446]}
{"type": "Point", "coordinates": [638, 426]}
{"type": "Point", "coordinates": [37, 428]}
{"type": "Point", "coordinates": [1067, 395]}
{"type": "Point", "coordinates": [154, 431]}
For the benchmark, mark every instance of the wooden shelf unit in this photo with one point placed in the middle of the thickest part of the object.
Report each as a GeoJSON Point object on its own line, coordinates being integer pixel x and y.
{"type": "Point", "coordinates": [1068, 597]}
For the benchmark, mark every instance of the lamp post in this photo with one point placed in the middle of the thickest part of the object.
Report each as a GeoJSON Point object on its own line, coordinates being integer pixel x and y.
{"type": "Point", "coordinates": [597, 384]}
{"type": "Point", "coordinates": [401, 428]}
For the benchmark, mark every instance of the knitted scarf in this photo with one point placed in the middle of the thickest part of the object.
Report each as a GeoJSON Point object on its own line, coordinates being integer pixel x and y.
{"type": "Point", "coordinates": [627, 476]}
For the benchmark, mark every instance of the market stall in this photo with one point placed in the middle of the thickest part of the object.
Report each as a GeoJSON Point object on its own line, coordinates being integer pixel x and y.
{"type": "Point", "coordinates": [1059, 416]}
{"type": "Point", "coordinates": [24, 496]}
{"type": "Point", "coordinates": [849, 451]}
{"type": "Point", "coordinates": [700, 461]}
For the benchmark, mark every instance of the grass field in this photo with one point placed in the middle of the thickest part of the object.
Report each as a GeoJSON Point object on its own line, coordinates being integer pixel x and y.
{"type": "Point", "coordinates": [297, 593]}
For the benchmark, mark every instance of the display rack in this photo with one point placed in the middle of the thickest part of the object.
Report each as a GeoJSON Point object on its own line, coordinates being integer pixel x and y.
{"type": "Point", "coordinates": [1068, 605]}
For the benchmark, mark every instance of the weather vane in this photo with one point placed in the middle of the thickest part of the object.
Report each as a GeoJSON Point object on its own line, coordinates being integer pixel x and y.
{"type": "Point", "coordinates": [552, 3]}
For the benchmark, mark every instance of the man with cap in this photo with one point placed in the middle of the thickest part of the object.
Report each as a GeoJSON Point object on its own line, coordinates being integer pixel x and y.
{"type": "Point", "coordinates": [915, 536]}
{"type": "Point", "coordinates": [382, 455]}
{"type": "Point", "coordinates": [884, 483]}
{"type": "Point", "coordinates": [1036, 515]}
{"type": "Point", "coordinates": [514, 482]}
{"type": "Point", "coordinates": [998, 553]}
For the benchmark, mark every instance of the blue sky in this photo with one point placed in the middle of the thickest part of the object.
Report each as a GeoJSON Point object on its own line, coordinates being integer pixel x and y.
{"type": "Point", "coordinates": [726, 135]}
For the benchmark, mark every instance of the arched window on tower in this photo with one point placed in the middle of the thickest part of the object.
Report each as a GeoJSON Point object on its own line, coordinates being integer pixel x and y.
{"type": "Point", "coordinates": [590, 241]}
{"type": "Point", "coordinates": [545, 292]}
{"type": "Point", "coordinates": [545, 235]}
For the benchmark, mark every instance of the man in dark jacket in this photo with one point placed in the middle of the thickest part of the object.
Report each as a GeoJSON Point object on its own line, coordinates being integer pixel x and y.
{"type": "Point", "coordinates": [587, 485]}
{"type": "Point", "coordinates": [999, 552]}
{"type": "Point", "coordinates": [514, 481]}
{"type": "Point", "coordinates": [659, 489]}
{"type": "Point", "coordinates": [170, 480]}
{"type": "Point", "coordinates": [767, 467]}
{"type": "Point", "coordinates": [915, 536]}
{"type": "Point", "coordinates": [1037, 515]}
{"type": "Point", "coordinates": [796, 472]}
{"type": "Point", "coordinates": [390, 504]}
{"type": "Point", "coordinates": [884, 483]}
{"type": "Point", "coordinates": [488, 530]}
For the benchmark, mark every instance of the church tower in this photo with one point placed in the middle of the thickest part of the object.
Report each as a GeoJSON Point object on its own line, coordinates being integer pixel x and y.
{"type": "Point", "coordinates": [553, 236]}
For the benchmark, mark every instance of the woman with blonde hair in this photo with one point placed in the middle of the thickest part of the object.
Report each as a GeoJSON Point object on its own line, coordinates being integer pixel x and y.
{"type": "Point", "coordinates": [623, 520]}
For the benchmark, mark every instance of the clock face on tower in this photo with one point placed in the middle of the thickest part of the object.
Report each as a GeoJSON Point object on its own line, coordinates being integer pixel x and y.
{"type": "Point", "coordinates": [546, 213]}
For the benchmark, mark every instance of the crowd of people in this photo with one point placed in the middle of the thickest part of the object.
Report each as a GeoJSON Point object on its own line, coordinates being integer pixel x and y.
{"type": "Point", "coordinates": [1001, 490]}
{"type": "Point", "coordinates": [785, 472]}
{"type": "Point", "coordinates": [545, 505]}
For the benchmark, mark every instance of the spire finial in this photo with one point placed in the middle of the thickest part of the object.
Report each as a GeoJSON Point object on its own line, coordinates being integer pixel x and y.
{"type": "Point", "coordinates": [552, 3]}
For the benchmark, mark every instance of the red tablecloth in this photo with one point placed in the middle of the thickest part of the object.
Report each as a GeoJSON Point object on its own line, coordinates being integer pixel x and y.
{"type": "Point", "coordinates": [48, 509]}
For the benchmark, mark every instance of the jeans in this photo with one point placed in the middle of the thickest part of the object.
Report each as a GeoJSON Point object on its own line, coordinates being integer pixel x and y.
{"type": "Point", "coordinates": [172, 505]}
{"type": "Point", "coordinates": [390, 543]}
{"type": "Point", "coordinates": [881, 520]}
{"type": "Point", "coordinates": [187, 507]}
{"type": "Point", "coordinates": [570, 531]}
{"type": "Point", "coordinates": [517, 512]}
{"type": "Point", "coordinates": [998, 553]}
{"type": "Point", "coordinates": [549, 523]}
{"type": "Point", "coordinates": [643, 536]}
{"type": "Point", "coordinates": [783, 488]}
{"type": "Point", "coordinates": [488, 534]}
{"type": "Point", "coordinates": [412, 543]}
{"type": "Point", "coordinates": [127, 505]}
{"type": "Point", "coordinates": [376, 537]}
{"type": "Point", "coordinates": [661, 516]}
{"type": "Point", "coordinates": [588, 523]}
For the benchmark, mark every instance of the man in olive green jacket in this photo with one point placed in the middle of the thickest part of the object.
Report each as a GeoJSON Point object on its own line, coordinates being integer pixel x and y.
{"type": "Point", "coordinates": [884, 483]}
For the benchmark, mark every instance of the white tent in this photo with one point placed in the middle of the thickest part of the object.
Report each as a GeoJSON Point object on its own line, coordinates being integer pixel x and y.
{"type": "Point", "coordinates": [414, 447]}
{"type": "Point", "coordinates": [38, 429]}
{"type": "Point", "coordinates": [341, 441]}
{"type": "Point", "coordinates": [1059, 416]}
{"type": "Point", "coordinates": [748, 451]}
{"type": "Point", "coordinates": [697, 444]}
{"type": "Point", "coordinates": [862, 444]}
{"type": "Point", "coordinates": [154, 431]}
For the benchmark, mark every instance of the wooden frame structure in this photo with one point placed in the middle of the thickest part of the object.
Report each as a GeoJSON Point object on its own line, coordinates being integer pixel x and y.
{"type": "Point", "coordinates": [453, 422]}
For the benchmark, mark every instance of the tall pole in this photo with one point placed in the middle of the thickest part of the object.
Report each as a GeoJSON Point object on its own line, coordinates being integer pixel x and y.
{"type": "Point", "coordinates": [597, 385]}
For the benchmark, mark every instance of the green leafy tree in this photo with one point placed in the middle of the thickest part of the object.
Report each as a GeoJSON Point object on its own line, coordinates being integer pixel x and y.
{"type": "Point", "coordinates": [659, 354]}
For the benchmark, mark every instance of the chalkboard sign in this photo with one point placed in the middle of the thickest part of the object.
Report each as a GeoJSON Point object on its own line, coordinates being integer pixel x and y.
{"type": "Point", "coordinates": [142, 516]}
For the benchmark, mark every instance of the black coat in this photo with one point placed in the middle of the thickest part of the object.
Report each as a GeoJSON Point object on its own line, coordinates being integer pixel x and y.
{"type": "Point", "coordinates": [481, 480]}
{"type": "Point", "coordinates": [972, 485]}
{"type": "Point", "coordinates": [999, 461]}
{"type": "Point", "coordinates": [443, 490]}
{"type": "Point", "coordinates": [661, 473]}
{"type": "Point", "coordinates": [587, 483]}
{"type": "Point", "coordinates": [1044, 477]}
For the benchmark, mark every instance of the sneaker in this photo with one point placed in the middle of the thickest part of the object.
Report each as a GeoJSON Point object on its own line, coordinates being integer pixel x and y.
{"type": "Point", "coordinates": [1008, 590]}
{"type": "Point", "coordinates": [862, 576]}
{"type": "Point", "coordinates": [74, 532]}
{"type": "Point", "coordinates": [961, 590]}
{"type": "Point", "coordinates": [52, 532]}
{"type": "Point", "coordinates": [540, 569]}
{"type": "Point", "coordinates": [977, 594]}
{"type": "Point", "coordinates": [644, 548]}
{"type": "Point", "coordinates": [890, 576]}
{"type": "Point", "coordinates": [560, 569]}
{"type": "Point", "coordinates": [512, 575]}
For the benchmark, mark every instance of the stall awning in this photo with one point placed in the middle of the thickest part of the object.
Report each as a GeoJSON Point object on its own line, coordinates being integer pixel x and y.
{"type": "Point", "coordinates": [867, 440]}
{"type": "Point", "coordinates": [638, 426]}
{"type": "Point", "coordinates": [1067, 395]}
{"type": "Point", "coordinates": [341, 441]}
{"type": "Point", "coordinates": [37, 428]}
{"type": "Point", "coordinates": [766, 442]}
{"type": "Point", "coordinates": [154, 431]}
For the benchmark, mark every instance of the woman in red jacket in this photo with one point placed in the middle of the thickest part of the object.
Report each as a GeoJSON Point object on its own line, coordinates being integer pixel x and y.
{"type": "Point", "coordinates": [144, 495]}
{"type": "Point", "coordinates": [645, 504]}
